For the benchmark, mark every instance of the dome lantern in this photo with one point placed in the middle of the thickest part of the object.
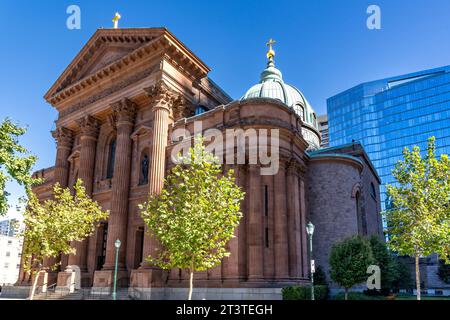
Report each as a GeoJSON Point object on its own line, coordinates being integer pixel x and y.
{"type": "Point", "coordinates": [272, 86]}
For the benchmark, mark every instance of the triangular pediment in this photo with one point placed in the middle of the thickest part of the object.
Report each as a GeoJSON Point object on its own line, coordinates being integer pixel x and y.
{"type": "Point", "coordinates": [105, 47]}
{"type": "Point", "coordinates": [111, 50]}
{"type": "Point", "coordinates": [104, 56]}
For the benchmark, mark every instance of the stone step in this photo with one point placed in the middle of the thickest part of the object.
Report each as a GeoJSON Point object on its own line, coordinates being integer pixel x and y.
{"type": "Point", "coordinates": [121, 294]}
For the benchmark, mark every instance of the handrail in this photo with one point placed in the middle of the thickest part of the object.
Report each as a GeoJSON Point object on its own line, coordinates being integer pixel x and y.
{"type": "Point", "coordinates": [52, 287]}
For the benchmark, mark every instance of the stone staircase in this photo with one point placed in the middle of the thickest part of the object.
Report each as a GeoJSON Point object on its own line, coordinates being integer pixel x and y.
{"type": "Point", "coordinates": [82, 294]}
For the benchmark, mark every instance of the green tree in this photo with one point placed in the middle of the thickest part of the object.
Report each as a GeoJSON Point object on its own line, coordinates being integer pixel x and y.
{"type": "Point", "coordinates": [319, 277]}
{"type": "Point", "coordinates": [385, 260]}
{"type": "Point", "coordinates": [403, 279]}
{"type": "Point", "coordinates": [419, 221]}
{"type": "Point", "coordinates": [15, 162]}
{"type": "Point", "coordinates": [349, 260]}
{"type": "Point", "coordinates": [444, 271]}
{"type": "Point", "coordinates": [51, 225]}
{"type": "Point", "coordinates": [195, 215]}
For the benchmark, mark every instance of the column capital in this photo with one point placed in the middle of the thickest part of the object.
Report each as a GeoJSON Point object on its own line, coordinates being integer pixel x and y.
{"type": "Point", "coordinates": [89, 126]}
{"type": "Point", "coordinates": [162, 96]}
{"type": "Point", "coordinates": [63, 137]}
{"type": "Point", "coordinates": [124, 111]}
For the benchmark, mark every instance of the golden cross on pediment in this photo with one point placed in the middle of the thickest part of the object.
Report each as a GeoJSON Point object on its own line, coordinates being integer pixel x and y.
{"type": "Point", "coordinates": [116, 19]}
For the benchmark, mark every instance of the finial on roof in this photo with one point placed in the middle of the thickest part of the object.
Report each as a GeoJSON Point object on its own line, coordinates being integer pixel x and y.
{"type": "Point", "coordinates": [116, 19]}
{"type": "Point", "coordinates": [271, 53]}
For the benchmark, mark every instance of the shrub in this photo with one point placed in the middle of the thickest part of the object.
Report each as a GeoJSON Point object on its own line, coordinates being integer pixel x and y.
{"type": "Point", "coordinates": [385, 260]}
{"type": "Point", "coordinates": [349, 260]}
{"type": "Point", "coordinates": [320, 277]}
{"type": "Point", "coordinates": [444, 271]}
{"type": "Point", "coordinates": [403, 279]}
{"type": "Point", "coordinates": [304, 292]}
{"type": "Point", "coordinates": [356, 296]}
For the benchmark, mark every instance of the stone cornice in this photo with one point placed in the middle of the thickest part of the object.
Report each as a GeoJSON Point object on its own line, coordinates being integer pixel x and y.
{"type": "Point", "coordinates": [110, 90]}
{"type": "Point", "coordinates": [141, 131]}
{"type": "Point", "coordinates": [342, 158]}
{"type": "Point", "coordinates": [99, 38]}
{"type": "Point", "coordinates": [174, 52]}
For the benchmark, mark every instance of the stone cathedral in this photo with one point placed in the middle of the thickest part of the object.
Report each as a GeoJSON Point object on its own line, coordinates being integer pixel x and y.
{"type": "Point", "coordinates": [118, 102]}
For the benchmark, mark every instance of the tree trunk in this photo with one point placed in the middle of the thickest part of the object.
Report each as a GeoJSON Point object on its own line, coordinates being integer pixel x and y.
{"type": "Point", "coordinates": [191, 283]}
{"type": "Point", "coordinates": [417, 277]}
{"type": "Point", "coordinates": [33, 287]}
{"type": "Point", "coordinates": [346, 294]}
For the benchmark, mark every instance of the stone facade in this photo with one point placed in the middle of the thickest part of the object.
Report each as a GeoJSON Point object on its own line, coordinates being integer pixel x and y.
{"type": "Point", "coordinates": [342, 202]}
{"type": "Point", "coordinates": [120, 100]}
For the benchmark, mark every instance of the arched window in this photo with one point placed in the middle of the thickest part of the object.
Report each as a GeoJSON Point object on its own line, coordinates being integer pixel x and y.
{"type": "Point", "coordinates": [111, 158]}
{"type": "Point", "coordinates": [299, 110]}
{"type": "Point", "coordinates": [143, 172]}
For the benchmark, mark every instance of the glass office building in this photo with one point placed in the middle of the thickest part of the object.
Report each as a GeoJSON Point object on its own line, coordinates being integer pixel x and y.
{"type": "Point", "coordinates": [390, 114]}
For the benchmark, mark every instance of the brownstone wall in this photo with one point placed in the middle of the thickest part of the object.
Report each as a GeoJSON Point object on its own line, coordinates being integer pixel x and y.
{"type": "Point", "coordinates": [332, 209]}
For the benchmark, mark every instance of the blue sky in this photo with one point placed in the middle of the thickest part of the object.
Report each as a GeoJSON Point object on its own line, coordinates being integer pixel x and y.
{"type": "Point", "coordinates": [323, 47]}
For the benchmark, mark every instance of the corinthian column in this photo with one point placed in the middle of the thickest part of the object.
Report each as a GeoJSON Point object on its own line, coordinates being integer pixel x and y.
{"type": "Point", "coordinates": [89, 131]}
{"type": "Point", "coordinates": [163, 99]}
{"type": "Point", "coordinates": [124, 111]}
{"type": "Point", "coordinates": [64, 140]}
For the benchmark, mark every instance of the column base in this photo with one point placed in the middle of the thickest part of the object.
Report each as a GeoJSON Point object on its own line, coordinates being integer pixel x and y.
{"type": "Point", "coordinates": [148, 278]}
{"type": "Point", "coordinates": [76, 279]}
{"type": "Point", "coordinates": [105, 278]}
{"type": "Point", "coordinates": [66, 281]}
{"type": "Point", "coordinates": [52, 277]}
{"type": "Point", "coordinates": [46, 279]}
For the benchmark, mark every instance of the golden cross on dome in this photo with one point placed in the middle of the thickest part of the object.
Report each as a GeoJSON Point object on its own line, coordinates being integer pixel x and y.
{"type": "Point", "coordinates": [271, 52]}
{"type": "Point", "coordinates": [116, 19]}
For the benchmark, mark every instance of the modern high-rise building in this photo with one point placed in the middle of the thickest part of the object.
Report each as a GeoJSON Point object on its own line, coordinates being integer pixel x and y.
{"type": "Point", "coordinates": [9, 227]}
{"type": "Point", "coordinates": [389, 114]}
{"type": "Point", "coordinates": [10, 255]}
{"type": "Point", "coordinates": [323, 129]}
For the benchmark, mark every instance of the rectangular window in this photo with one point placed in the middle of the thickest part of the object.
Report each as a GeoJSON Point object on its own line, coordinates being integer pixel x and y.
{"type": "Point", "coordinates": [8, 254]}
{"type": "Point", "coordinates": [266, 200]}
{"type": "Point", "coordinates": [6, 265]}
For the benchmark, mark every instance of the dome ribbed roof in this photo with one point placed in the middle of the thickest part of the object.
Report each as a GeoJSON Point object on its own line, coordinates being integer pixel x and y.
{"type": "Point", "coordinates": [272, 86]}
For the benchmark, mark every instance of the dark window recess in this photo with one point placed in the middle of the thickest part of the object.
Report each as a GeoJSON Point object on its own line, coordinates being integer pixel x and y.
{"type": "Point", "coordinates": [266, 201]}
{"type": "Point", "coordinates": [101, 257]}
{"type": "Point", "coordinates": [200, 109]}
{"type": "Point", "coordinates": [143, 179]}
{"type": "Point", "coordinates": [266, 237]}
{"type": "Point", "coordinates": [111, 158]}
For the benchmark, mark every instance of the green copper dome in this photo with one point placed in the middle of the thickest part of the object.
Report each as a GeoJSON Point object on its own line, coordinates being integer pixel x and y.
{"type": "Point", "coordinates": [272, 86]}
